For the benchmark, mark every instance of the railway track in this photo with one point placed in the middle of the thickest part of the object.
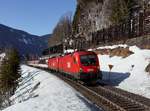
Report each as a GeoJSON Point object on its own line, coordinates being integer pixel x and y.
{"type": "Point", "coordinates": [109, 98]}
{"type": "Point", "coordinates": [135, 97]}
{"type": "Point", "coordinates": [125, 103]}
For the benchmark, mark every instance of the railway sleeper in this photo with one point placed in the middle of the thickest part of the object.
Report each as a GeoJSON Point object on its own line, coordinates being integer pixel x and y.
{"type": "Point", "coordinates": [112, 106]}
{"type": "Point", "coordinates": [132, 105]}
{"type": "Point", "coordinates": [134, 108]}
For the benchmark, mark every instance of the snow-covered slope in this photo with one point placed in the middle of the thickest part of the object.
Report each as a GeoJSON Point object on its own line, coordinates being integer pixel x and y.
{"type": "Point", "coordinates": [41, 91]}
{"type": "Point", "coordinates": [128, 73]}
{"type": "Point", "coordinates": [2, 55]}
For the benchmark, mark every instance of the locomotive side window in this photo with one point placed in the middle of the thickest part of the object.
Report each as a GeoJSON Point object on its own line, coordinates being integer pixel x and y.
{"type": "Point", "coordinates": [88, 60]}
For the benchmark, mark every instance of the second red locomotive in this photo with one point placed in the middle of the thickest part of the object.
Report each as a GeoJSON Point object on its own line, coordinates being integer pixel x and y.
{"type": "Point", "coordinates": [81, 65]}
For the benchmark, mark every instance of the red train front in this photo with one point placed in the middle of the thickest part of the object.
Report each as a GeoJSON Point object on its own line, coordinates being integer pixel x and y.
{"type": "Point", "coordinates": [82, 65]}
{"type": "Point", "coordinates": [89, 66]}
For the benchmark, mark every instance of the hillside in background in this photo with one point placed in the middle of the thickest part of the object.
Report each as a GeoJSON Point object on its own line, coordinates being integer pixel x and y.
{"type": "Point", "coordinates": [94, 15]}
{"type": "Point", "coordinates": [26, 43]}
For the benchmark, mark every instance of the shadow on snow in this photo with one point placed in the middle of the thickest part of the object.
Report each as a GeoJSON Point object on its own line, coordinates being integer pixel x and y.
{"type": "Point", "coordinates": [113, 78]}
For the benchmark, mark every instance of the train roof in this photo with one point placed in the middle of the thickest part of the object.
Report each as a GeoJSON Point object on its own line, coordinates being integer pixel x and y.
{"type": "Point", "coordinates": [81, 52]}
{"type": "Point", "coordinates": [85, 52]}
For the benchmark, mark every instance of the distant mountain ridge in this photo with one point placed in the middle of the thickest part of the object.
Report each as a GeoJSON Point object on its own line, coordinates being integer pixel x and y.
{"type": "Point", "coordinates": [25, 43]}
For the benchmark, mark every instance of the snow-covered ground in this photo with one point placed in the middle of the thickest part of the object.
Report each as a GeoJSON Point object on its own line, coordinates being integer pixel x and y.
{"type": "Point", "coordinates": [69, 51]}
{"type": "Point", "coordinates": [110, 47]}
{"type": "Point", "coordinates": [2, 55]}
{"type": "Point", "coordinates": [128, 73]}
{"type": "Point", "coordinates": [42, 91]}
{"type": "Point", "coordinates": [114, 46]}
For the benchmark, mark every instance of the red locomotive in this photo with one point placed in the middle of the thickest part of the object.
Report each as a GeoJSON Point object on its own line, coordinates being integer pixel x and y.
{"type": "Point", "coordinates": [81, 65]}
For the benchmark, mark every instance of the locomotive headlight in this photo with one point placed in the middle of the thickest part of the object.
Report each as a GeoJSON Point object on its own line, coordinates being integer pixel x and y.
{"type": "Point", "coordinates": [81, 70]}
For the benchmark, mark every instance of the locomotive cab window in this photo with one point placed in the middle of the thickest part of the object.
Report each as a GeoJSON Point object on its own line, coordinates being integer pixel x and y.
{"type": "Point", "coordinates": [88, 60]}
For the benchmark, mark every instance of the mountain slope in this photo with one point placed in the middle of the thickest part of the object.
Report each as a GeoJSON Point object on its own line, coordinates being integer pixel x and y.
{"type": "Point", "coordinates": [23, 41]}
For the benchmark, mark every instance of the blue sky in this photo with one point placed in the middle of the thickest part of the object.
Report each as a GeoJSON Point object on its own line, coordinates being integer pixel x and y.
{"type": "Point", "coordinates": [38, 17]}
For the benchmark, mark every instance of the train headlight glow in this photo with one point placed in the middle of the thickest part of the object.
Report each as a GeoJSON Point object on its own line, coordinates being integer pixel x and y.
{"type": "Point", "coordinates": [81, 70]}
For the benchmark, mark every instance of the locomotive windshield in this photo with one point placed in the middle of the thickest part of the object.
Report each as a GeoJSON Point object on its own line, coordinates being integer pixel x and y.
{"type": "Point", "coordinates": [88, 60]}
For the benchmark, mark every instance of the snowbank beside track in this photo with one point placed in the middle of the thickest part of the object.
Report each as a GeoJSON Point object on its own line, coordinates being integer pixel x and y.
{"type": "Point", "coordinates": [128, 73]}
{"type": "Point", "coordinates": [42, 91]}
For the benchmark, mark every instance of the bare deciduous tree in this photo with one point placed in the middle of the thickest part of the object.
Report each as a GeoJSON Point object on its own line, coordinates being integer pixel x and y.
{"type": "Point", "coordinates": [62, 31]}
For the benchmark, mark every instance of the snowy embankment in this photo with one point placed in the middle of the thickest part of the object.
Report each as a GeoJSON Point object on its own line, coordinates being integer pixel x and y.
{"type": "Point", "coordinates": [2, 55]}
{"type": "Point", "coordinates": [42, 91]}
{"type": "Point", "coordinates": [128, 73]}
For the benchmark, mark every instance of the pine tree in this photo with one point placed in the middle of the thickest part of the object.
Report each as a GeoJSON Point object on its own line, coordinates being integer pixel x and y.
{"type": "Point", "coordinates": [122, 10]}
{"type": "Point", "coordinates": [9, 74]}
{"type": "Point", "coordinates": [119, 12]}
{"type": "Point", "coordinates": [130, 5]}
